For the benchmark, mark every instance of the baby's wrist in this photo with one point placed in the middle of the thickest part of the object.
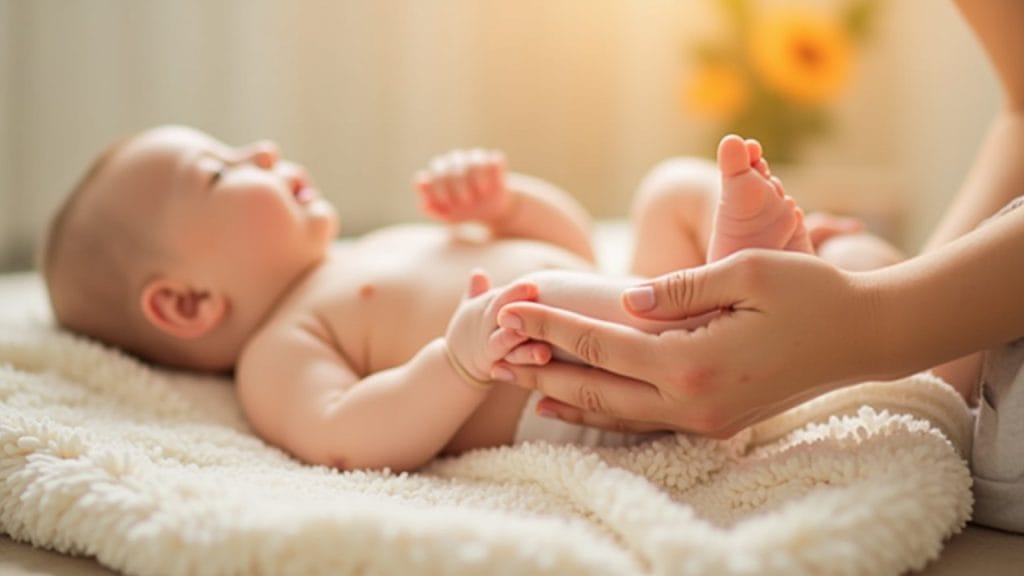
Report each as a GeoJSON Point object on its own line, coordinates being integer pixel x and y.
{"type": "Point", "coordinates": [462, 372]}
{"type": "Point", "coordinates": [508, 212]}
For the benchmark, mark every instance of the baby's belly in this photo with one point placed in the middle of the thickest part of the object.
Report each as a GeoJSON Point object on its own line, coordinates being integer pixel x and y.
{"type": "Point", "coordinates": [409, 301]}
{"type": "Point", "coordinates": [408, 296]}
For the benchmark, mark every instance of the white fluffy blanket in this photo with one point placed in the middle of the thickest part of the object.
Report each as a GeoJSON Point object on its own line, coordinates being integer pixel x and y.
{"type": "Point", "coordinates": [156, 473]}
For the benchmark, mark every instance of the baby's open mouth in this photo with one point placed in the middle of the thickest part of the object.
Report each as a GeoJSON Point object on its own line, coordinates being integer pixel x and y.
{"type": "Point", "coordinates": [301, 190]}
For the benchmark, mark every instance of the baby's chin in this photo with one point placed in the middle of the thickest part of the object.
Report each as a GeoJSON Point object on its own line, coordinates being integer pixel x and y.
{"type": "Point", "coordinates": [325, 217]}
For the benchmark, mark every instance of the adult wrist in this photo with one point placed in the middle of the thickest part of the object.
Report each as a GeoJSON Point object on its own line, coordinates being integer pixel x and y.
{"type": "Point", "coordinates": [889, 329]}
{"type": "Point", "coordinates": [877, 340]}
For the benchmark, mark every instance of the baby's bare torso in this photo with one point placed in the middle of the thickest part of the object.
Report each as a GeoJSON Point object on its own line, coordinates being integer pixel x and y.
{"type": "Point", "coordinates": [379, 299]}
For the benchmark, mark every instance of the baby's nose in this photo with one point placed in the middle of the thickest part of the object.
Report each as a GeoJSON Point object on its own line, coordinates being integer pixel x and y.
{"type": "Point", "coordinates": [264, 154]}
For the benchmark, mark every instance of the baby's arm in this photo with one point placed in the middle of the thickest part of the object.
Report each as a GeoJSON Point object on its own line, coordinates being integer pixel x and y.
{"type": "Point", "coordinates": [474, 185]}
{"type": "Point", "coordinates": [299, 393]}
{"type": "Point", "coordinates": [312, 404]}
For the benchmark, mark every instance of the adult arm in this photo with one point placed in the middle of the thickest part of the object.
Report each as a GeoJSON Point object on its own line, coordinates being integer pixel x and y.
{"type": "Point", "coordinates": [997, 175]}
{"type": "Point", "coordinates": [786, 331]}
{"type": "Point", "coordinates": [792, 327]}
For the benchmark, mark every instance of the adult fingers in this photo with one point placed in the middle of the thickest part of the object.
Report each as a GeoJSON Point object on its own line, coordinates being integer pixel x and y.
{"type": "Point", "coordinates": [591, 390]}
{"type": "Point", "coordinates": [679, 421]}
{"type": "Point", "coordinates": [608, 345]}
{"type": "Point", "coordinates": [688, 292]}
{"type": "Point", "coordinates": [528, 352]}
{"type": "Point", "coordinates": [551, 408]}
{"type": "Point", "coordinates": [502, 342]}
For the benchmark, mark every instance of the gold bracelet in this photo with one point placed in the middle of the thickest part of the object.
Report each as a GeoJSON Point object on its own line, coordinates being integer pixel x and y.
{"type": "Point", "coordinates": [463, 373]}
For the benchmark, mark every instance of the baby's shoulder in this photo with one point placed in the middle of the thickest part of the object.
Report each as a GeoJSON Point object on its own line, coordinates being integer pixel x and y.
{"type": "Point", "coordinates": [284, 350]}
{"type": "Point", "coordinates": [283, 334]}
{"type": "Point", "coordinates": [305, 320]}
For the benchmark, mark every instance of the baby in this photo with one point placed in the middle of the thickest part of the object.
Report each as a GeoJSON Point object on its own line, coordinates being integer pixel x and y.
{"type": "Point", "coordinates": [370, 353]}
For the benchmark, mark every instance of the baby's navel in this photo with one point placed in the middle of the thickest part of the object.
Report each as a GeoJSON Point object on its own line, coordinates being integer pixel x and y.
{"type": "Point", "coordinates": [366, 291]}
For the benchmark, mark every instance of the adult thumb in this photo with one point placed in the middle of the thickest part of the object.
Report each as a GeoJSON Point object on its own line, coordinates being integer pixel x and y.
{"type": "Point", "coordinates": [684, 293]}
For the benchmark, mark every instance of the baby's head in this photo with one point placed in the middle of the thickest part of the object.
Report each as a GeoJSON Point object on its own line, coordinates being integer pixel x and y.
{"type": "Point", "coordinates": [175, 246]}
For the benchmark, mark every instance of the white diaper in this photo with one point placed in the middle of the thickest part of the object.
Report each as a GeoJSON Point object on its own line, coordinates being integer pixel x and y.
{"type": "Point", "coordinates": [997, 460]}
{"type": "Point", "coordinates": [534, 428]}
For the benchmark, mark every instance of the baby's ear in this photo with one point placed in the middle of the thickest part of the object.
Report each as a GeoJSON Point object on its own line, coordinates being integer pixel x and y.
{"type": "Point", "coordinates": [181, 310]}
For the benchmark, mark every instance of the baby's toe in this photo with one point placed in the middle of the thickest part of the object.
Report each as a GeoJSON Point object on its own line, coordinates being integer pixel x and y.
{"type": "Point", "coordinates": [733, 156]}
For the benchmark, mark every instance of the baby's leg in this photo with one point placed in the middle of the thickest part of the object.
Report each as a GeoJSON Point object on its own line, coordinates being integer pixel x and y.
{"type": "Point", "coordinates": [859, 252]}
{"type": "Point", "coordinates": [753, 210]}
{"type": "Point", "coordinates": [597, 296]}
{"type": "Point", "coordinates": [672, 216]}
{"type": "Point", "coordinates": [688, 211]}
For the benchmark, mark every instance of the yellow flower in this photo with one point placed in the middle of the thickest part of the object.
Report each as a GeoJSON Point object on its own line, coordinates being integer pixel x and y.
{"type": "Point", "coordinates": [802, 55]}
{"type": "Point", "coordinates": [718, 90]}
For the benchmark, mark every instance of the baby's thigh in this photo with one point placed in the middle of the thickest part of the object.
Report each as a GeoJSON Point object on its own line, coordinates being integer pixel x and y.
{"type": "Point", "coordinates": [672, 214]}
{"type": "Point", "coordinates": [859, 252]}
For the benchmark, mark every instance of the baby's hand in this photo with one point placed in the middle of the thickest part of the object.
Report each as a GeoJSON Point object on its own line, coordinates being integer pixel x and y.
{"type": "Point", "coordinates": [464, 185]}
{"type": "Point", "coordinates": [474, 338]}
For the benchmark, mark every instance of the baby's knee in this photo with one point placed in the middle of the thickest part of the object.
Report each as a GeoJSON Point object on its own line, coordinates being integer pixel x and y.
{"type": "Point", "coordinates": [689, 184]}
{"type": "Point", "coordinates": [859, 252]}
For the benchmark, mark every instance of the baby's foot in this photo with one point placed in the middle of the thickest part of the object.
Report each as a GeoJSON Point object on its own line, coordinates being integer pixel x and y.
{"type": "Point", "coordinates": [753, 211]}
{"type": "Point", "coordinates": [464, 185]}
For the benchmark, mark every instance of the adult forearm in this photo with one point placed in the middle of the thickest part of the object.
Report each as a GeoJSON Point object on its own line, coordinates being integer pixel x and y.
{"type": "Point", "coordinates": [996, 177]}
{"type": "Point", "coordinates": [997, 25]}
{"type": "Point", "coordinates": [961, 298]}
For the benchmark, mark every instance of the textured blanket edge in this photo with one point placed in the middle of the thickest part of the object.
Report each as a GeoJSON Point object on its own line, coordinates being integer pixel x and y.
{"type": "Point", "coordinates": [102, 456]}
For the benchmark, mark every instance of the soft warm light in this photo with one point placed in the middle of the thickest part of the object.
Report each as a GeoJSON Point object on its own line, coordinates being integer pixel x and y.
{"type": "Point", "coordinates": [717, 90]}
{"type": "Point", "coordinates": [802, 55]}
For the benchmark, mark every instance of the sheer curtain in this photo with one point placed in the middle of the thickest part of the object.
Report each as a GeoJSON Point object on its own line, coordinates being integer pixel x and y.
{"type": "Point", "coordinates": [6, 139]}
{"type": "Point", "coordinates": [582, 92]}
{"type": "Point", "coordinates": [361, 92]}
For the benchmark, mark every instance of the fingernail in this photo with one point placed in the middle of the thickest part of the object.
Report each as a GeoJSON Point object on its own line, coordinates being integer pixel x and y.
{"type": "Point", "coordinates": [502, 374]}
{"type": "Point", "coordinates": [510, 321]}
{"type": "Point", "coordinates": [640, 298]}
{"type": "Point", "coordinates": [545, 412]}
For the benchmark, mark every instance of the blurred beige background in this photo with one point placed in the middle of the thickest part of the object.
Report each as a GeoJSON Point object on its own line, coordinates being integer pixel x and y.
{"type": "Point", "coordinates": [582, 92]}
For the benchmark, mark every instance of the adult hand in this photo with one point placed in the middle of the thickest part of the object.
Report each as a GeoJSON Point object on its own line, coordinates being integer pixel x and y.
{"type": "Point", "coordinates": [790, 327]}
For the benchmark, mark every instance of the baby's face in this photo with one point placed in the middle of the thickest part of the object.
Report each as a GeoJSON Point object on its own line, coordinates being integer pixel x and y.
{"type": "Point", "coordinates": [233, 217]}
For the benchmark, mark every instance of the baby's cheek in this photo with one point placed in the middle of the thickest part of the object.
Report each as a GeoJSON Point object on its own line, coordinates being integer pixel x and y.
{"type": "Point", "coordinates": [260, 232]}
{"type": "Point", "coordinates": [266, 219]}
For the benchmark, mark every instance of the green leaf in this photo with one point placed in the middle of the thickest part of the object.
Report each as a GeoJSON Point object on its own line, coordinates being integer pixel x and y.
{"type": "Point", "coordinates": [859, 18]}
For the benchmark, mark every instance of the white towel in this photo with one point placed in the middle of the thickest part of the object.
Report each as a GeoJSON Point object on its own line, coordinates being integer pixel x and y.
{"type": "Point", "coordinates": [153, 472]}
